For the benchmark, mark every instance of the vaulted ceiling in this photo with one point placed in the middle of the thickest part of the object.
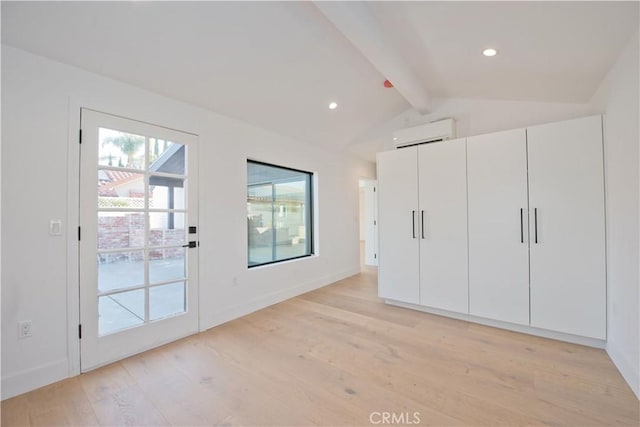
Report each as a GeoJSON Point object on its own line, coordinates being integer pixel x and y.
{"type": "Point", "coordinates": [279, 64]}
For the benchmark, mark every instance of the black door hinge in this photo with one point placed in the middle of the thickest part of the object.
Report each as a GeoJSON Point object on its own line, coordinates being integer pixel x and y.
{"type": "Point", "coordinates": [79, 331]}
{"type": "Point", "coordinates": [374, 222]}
{"type": "Point", "coordinates": [375, 256]}
{"type": "Point", "coordinates": [79, 233]}
{"type": "Point", "coordinates": [374, 189]}
{"type": "Point", "coordinates": [80, 136]}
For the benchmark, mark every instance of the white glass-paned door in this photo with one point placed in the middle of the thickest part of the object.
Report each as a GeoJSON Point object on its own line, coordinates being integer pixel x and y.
{"type": "Point", "coordinates": [138, 215]}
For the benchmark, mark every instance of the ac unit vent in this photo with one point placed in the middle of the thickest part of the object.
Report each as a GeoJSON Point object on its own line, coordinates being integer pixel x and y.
{"type": "Point", "coordinates": [441, 130]}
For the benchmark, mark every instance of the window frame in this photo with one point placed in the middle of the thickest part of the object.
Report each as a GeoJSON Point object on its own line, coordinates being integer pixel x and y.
{"type": "Point", "coordinates": [311, 215]}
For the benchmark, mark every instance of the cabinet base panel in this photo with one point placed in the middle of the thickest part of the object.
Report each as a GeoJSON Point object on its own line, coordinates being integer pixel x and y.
{"type": "Point", "coordinates": [575, 339]}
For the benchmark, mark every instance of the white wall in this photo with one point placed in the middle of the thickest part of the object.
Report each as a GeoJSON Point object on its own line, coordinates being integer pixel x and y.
{"type": "Point", "coordinates": [40, 119]}
{"type": "Point", "coordinates": [618, 96]}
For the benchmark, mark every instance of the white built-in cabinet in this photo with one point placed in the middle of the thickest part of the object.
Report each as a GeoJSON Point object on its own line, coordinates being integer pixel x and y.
{"type": "Point", "coordinates": [513, 226]}
{"type": "Point", "coordinates": [399, 277]}
{"type": "Point", "coordinates": [498, 226]}
{"type": "Point", "coordinates": [422, 200]}
{"type": "Point", "coordinates": [567, 227]}
{"type": "Point", "coordinates": [442, 197]}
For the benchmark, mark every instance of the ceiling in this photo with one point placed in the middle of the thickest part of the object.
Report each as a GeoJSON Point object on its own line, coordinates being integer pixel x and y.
{"type": "Point", "coordinates": [278, 64]}
{"type": "Point", "coordinates": [550, 51]}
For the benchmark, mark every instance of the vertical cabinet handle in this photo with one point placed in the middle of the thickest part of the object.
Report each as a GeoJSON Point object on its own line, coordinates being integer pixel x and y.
{"type": "Point", "coordinates": [413, 223]}
{"type": "Point", "coordinates": [521, 226]}
{"type": "Point", "coordinates": [535, 223]}
{"type": "Point", "coordinates": [422, 223]}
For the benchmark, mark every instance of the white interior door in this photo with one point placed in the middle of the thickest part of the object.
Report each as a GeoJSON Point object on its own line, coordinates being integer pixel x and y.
{"type": "Point", "coordinates": [566, 196]}
{"type": "Point", "coordinates": [398, 227]}
{"type": "Point", "coordinates": [138, 211]}
{"type": "Point", "coordinates": [371, 224]}
{"type": "Point", "coordinates": [498, 232]}
{"type": "Point", "coordinates": [443, 225]}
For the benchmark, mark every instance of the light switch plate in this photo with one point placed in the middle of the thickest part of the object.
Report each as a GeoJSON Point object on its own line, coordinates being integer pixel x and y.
{"type": "Point", "coordinates": [55, 227]}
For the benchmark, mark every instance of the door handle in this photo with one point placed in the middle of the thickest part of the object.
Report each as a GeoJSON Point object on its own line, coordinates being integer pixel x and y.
{"type": "Point", "coordinates": [191, 244]}
{"type": "Point", "coordinates": [521, 225]}
{"type": "Point", "coordinates": [413, 223]}
{"type": "Point", "coordinates": [422, 223]}
{"type": "Point", "coordinates": [535, 223]}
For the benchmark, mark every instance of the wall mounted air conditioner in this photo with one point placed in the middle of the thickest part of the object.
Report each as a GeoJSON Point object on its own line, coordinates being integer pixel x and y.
{"type": "Point", "coordinates": [431, 132]}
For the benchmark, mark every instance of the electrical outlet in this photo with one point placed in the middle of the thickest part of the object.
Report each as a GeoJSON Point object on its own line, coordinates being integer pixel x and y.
{"type": "Point", "coordinates": [24, 329]}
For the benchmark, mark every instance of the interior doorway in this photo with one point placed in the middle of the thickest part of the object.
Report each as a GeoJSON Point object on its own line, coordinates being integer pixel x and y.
{"type": "Point", "coordinates": [368, 222]}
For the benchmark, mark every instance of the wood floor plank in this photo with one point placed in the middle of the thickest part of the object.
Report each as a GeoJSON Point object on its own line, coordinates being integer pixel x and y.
{"type": "Point", "coordinates": [348, 391]}
{"type": "Point", "coordinates": [62, 404]}
{"type": "Point", "coordinates": [128, 406]}
{"type": "Point", "coordinates": [177, 398]}
{"type": "Point", "coordinates": [333, 357]}
{"type": "Point", "coordinates": [15, 411]}
{"type": "Point", "coordinates": [296, 380]}
{"type": "Point", "coordinates": [106, 381]}
{"type": "Point", "coordinates": [386, 367]}
{"type": "Point", "coordinates": [249, 394]}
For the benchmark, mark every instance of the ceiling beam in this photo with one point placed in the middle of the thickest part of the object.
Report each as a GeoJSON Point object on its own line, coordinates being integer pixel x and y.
{"type": "Point", "coordinates": [356, 21]}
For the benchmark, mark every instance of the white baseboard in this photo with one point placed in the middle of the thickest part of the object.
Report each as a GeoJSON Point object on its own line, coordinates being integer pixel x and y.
{"type": "Point", "coordinates": [267, 300]}
{"type": "Point", "coordinates": [629, 371]}
{"type": "Point", "coordinates": [31, 379]}
{"type": "Point", "coordinates": [576, 339]}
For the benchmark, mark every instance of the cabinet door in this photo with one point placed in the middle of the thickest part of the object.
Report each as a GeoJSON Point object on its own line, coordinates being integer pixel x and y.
{"type": "Point", "coordinates": [443, 225]}
{"type": "Point", "coordinates": [498, 233]}
{"type": "Point", "coordinates": [398, 242]}
{"type": "Point", "coordinates": [566, 196]}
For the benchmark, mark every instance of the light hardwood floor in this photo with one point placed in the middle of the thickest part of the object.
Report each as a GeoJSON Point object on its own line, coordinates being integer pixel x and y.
{"type": "Point", "coordinates": [334, 357]}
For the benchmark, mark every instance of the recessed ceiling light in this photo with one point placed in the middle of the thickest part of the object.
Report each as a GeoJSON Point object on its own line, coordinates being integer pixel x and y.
{"type": "Point", "coordinates": [489, 52]}
{"type": "Point", "coordinates": [333, 106]}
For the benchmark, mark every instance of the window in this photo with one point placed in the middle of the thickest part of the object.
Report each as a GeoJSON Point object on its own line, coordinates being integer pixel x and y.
{"type": "Point", "coordinates": [279, 213]}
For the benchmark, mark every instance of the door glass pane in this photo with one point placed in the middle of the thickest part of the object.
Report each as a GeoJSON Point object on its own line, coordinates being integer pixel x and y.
{"type": "Point", "coordinates": [119, 230]}
{"type": "Point", "coordinates": [167, 264]}
{"type": "Point", "coordinates": [120, 270]}
{"type": "Point", "coordinates": [119, 311]}
{"type": "Point", "coordinates": [167, 229]}
{"type": "Point", "coordinates": [166, 193]}
{"type": "Point", "coordinates": [166, 300]}
{"type": "Point", "coordinates": [120, 189]}
{"type": "Point", "coordinates": [166, 157]}
{"type": "Point", "coordinates": [120, 149]}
